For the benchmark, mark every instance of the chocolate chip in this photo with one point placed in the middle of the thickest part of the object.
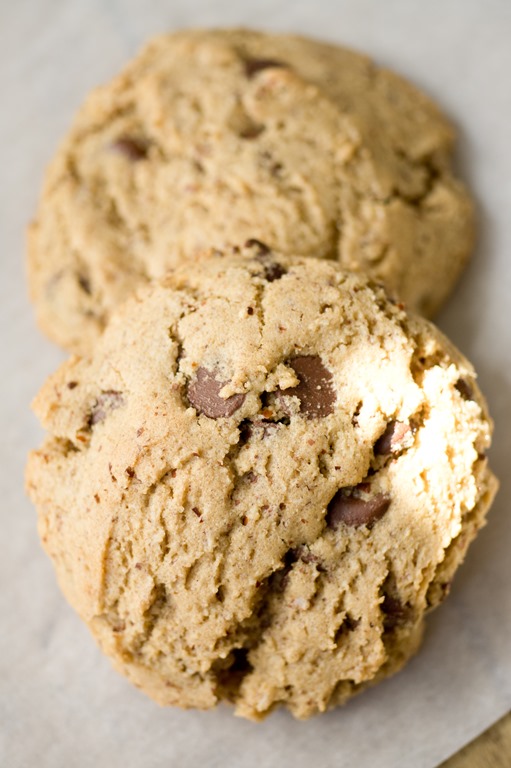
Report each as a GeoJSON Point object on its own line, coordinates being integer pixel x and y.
{"type": "Point", "coordinates": [203, 394]}
{"type": "Point", "coordinates": [392, 439]}
{"type": "Point", "coordinates": [315, 391]}
{"type": "Point", "coordinates": [105, 402]}
{"type": "Point", "coordinates": [262, 248]}
{"type": "Point", "coordinates": [72, 384]}
{"type": "Point", "coordinates": [273, 271]}
{"type": "Point", "coordinates": [131, 148]}
{"type": "Point", "coordinates": [464, 389]}
{"type": "Point", "coordinates": [253, 66]}
{"type": "Point", "coordinates": [355, 511]}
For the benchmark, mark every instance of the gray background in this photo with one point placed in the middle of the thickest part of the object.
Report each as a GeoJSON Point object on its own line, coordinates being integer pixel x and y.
{"type": "Point", "coordinates": [60, 703]}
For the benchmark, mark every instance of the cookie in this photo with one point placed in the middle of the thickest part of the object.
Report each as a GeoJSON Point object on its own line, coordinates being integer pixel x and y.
{"type": "Point", "coordinates": [260, 483]}
{"type": "Point", "coordinates": [210, 138]}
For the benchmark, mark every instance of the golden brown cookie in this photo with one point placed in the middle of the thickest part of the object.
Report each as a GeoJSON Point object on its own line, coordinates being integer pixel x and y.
{"type": "Point", "coordinates": [260, 482]}
{"type": "Point", "coordinates": [210, 138]}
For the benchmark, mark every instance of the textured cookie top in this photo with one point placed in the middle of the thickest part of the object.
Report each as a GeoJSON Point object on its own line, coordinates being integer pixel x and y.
{"type": "Point", "coordinates": [259, 483]}
{"type": "Point", "coordinates": [209, 138]}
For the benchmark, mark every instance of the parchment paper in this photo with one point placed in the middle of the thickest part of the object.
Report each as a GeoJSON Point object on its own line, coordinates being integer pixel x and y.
{"type": "Point", "coordinates": [60, 702]}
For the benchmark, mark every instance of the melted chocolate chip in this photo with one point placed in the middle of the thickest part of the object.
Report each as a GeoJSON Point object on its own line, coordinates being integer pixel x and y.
{"type": "Point", "coordinates": [203, 394]}
{"type": "Point", "coordinates": [392, 439]}
{"type": "Point", "coordinates": [105, 402]}
{"type": "Point", "coordinates": [132, 149]}
{"type": "Point", "coordinates": [254, 66]}
{"type": "Point", "coordinates": [354, 511]}
{"type": "Point", "coordinates": [315, 391]}
{"type": "Point", "coordinates": [464, 389]}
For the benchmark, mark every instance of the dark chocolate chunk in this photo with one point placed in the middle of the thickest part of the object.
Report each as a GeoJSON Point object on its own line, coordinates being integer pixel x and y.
{"type": "Point", "coordinates": [464, 389]}
{"type": "Point", "coordinates": [392, 439]}
{"type": "Point", "coordinates": [253, 66]}
{"type": "Point", "coordinates": [105, 402]}
{"type": "Point", "coordinates": [315, 391]}
{"type": "Point", "coordinates": [203, 394]}
{"type": "Point", "coordinates": [131, 148]}
{"type": "Point", "coordinates": [355, 511]}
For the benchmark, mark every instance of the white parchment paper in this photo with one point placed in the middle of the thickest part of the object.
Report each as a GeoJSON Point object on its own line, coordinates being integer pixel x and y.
{"type": "Point", "coordinates": [60, 702]}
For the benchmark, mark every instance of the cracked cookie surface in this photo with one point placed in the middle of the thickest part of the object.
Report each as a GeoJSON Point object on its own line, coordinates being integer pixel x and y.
{"type": "Point", "coordinates": [209, 138]}
{"type": "Point", "coordinates": [261, 481]}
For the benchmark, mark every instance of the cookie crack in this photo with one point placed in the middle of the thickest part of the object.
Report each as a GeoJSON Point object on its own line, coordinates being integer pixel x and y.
{"type": "Point", "coordinates": [230, 673]}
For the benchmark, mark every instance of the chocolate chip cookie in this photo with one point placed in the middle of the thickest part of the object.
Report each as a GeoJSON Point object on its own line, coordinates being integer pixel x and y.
{"type": "Point", "coordinates": [260, 482]}
{"type": "Point", "coordinates": [209, 138]}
